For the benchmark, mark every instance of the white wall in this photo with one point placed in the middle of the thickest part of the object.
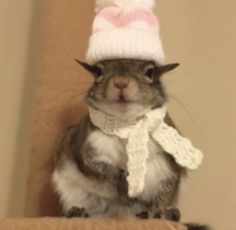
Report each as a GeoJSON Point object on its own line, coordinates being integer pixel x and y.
{"type": "Point", "coordinates": [16, 64]}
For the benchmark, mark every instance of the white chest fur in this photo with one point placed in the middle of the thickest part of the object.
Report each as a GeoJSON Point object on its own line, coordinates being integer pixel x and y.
{"type": "Point", "coordinates": [112, 150]}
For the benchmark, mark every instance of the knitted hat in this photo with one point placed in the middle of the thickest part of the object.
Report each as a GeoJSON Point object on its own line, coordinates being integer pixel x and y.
{"type": "Point", "coordinates": [125, 29]}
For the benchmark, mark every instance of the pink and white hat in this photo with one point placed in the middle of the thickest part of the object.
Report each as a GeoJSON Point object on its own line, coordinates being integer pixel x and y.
{"type": "Point", "coordinates": [125, 29]}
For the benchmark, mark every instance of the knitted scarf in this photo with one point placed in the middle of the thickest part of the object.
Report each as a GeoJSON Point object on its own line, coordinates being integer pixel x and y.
{"type": "Point", "coordinates": [138, 133]}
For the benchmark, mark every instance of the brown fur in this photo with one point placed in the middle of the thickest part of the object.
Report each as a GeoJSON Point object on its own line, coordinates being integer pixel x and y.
{"type": "Point", "coordinates": [143, 87]}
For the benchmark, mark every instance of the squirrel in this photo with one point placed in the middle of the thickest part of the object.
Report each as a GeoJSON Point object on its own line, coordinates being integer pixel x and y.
{"type": "Point", "coordinates": [91, 165]}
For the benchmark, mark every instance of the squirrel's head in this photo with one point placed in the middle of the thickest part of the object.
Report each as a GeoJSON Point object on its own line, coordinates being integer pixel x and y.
{"type": "Point", "coordinates": [127, 88]}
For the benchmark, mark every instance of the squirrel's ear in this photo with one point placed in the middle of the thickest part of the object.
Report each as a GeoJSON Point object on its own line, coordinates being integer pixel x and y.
{"type": "Point", "coordinates": [93, 69]}
{"type": "Point", "coordinates": [167, 68]}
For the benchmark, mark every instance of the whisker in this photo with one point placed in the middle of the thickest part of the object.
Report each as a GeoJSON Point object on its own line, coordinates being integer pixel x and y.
{"type": "Point", "coordinates": [72, 98]}
{"type": "Point", "coordinates": [174, 97]}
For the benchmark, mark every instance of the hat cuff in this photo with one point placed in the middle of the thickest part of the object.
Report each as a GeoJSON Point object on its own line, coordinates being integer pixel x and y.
{"type": "Point", "coordinates": [125, 44]}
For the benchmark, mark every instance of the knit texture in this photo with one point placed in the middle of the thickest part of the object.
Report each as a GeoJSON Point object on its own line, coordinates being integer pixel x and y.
{"type": "Point", "coordinates": [125, 29]}
{"type": "Point", "coordinates": [137, 133]}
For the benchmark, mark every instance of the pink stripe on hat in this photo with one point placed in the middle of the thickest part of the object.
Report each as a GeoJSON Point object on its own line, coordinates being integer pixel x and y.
{"type": "Point", "coordinates": [120, 18]}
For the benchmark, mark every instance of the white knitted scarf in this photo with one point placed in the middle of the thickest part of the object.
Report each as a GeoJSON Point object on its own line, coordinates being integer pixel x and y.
{"type": "Point", "coordinates": [138, 133]}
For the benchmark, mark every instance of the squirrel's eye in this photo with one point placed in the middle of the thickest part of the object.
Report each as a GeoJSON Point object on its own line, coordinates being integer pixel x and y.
{"type": "Point", "coordinates": [98, 72]}
{"type": "Point", "coordinates": [150, 73]}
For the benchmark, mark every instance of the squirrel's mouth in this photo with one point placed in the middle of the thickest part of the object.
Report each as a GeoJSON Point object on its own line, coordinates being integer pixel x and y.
{"type": "Point", "coordinates": [123, 101]}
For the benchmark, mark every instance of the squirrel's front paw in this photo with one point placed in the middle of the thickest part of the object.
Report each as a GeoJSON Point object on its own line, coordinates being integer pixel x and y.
{"type": "Point", "coordinates": [122, 189]}
{"type": "Point", "coordinates": [122, 184]}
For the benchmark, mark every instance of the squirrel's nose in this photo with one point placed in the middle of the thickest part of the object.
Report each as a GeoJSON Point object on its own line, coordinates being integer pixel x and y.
{"type": "Point", "coordinates": [120, 85]}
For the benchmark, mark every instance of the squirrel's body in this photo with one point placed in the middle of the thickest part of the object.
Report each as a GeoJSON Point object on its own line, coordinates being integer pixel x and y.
{"type": "Point", "coordinates": [78, 186]}
{"type": "Point", "coordinates": [96, 167]}
{"type": "Point", "coordinates": [91, 172]}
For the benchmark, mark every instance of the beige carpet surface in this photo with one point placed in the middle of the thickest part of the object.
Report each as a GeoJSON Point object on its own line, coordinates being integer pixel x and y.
{"type": "Point", "coordinates": [96, 224]}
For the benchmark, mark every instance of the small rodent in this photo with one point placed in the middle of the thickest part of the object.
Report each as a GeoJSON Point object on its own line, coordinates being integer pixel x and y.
{"type": "Point", "coordinates": [91, 166]}
{"type": "Point", "coordinates": [90, 174]}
